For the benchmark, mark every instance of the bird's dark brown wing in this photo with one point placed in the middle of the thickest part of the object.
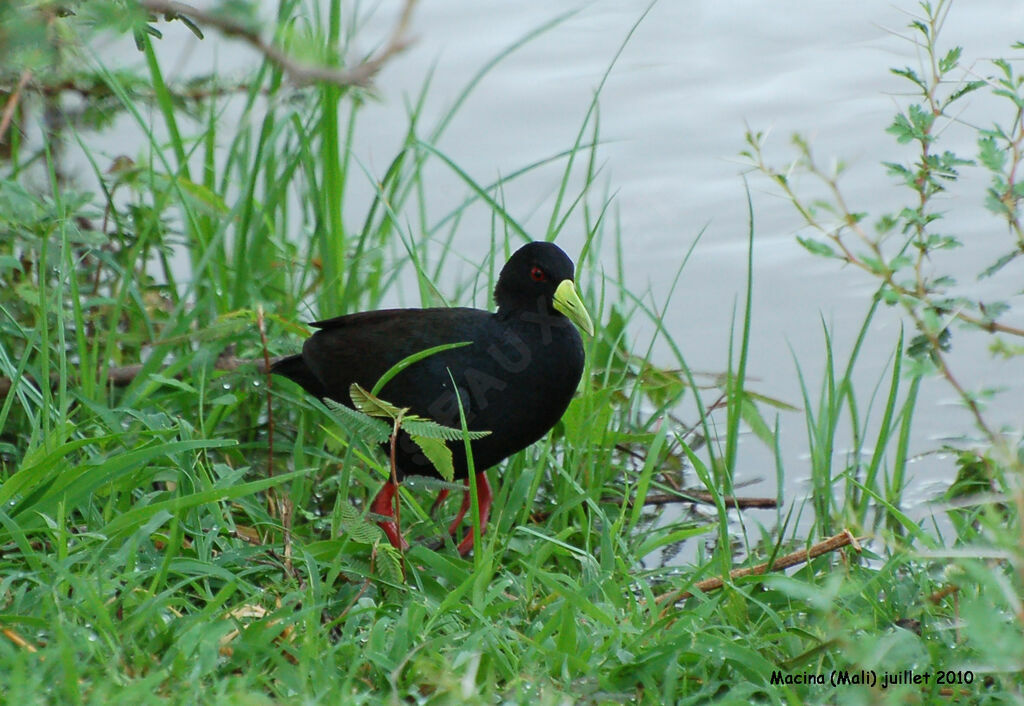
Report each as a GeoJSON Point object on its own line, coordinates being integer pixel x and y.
{"type": "Point", "coordinates": [380, 317]}
{"type": "Point", "coordinates": [362, 347]}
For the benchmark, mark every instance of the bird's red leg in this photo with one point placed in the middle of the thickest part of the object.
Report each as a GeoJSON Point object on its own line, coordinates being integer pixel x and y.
{"type": "Point", "coordinates": [484, 497]}
{"type": "Point", "coordinates": [462, 511]}
{"type": "Point", "coordinates": [440, 499]}
{"type": "Point", "coordinates": [382, 505]}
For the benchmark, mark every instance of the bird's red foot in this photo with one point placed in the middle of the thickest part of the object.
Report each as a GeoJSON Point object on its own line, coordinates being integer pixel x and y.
{"type": "Point", "coordinates": [484, 497]}
{"type": "Point", "coordinates": [383, 505]}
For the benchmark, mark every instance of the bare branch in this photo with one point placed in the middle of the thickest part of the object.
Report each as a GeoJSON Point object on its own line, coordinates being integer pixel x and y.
{"type": "Point", "coordinates": [300, 73]}
{"type": "Point", "coordinates": [12, 103]}
{"type": "Point", "coordinates": [783, 562]}
{"type": "Point", "coordinates": [702, 496]}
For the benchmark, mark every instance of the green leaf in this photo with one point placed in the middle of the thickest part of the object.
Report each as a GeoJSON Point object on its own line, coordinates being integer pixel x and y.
{"type": "Point", "coordinates": [656, 540]}
{"type": "Point", "coordinates": [10, 263]}
{"type": "Point", "coordinates": [223, 400]}
{"type": "Point", "coordinates": [172, 382]}
{"type": "Point", "coordinates": [752, 416]}
{"type": "Point", "coordinates": [430, 429]}
{"type": "Point", "coordinates": [817, 247]}
{"type": "Point", "coordinates": [886, 223]}
{"type": "Point", "coordinates": [991, 154]}
{"type": "Point", "coordinates": [356, 527]}
{"type": "Point", "coordinates": [943, 242]}
{"type": "Point", "coordinates": [999, 264]}
{"type": "Point", "coordinates": [915, 124]}
{"type": "Point", "coordinates": [439, 455]}
{"type": "Point", "coordinates": [899, 262]}
{"type": "Point", "coordinates": [390, 562]}
{"type": "Point", "coordinates": [922, 119]}
{"type": "Point", "coordinates": [368, 428]}
{"type": "Point", "coordinates": [911, 76]}
{"type": "Point", "coordinates": [901, 129]}
{"type": "Point", "coordinates": [192, 26]}
{"type": "Point", "coordinates": [372, 405]}
{"type": "Point", "coordinates": [966, 88]}
{"type": "Point", "coordinates": [890, 296]}
{"type": "Point", "coordinates": [199, 196]}
{"type": "Point", "coordinates": [874, 264]}
{"type": "Point", "coordinates": [994, 199]}
{"type": "Point", "coordinates": [950, 60]}
{"type": "Point", "coordinates": [770, 401]}
{"type": "Point", "coordinates": [994, 309]}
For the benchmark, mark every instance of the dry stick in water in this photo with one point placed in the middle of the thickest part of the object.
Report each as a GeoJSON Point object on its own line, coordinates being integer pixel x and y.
{"type": "Point", "coordinates": [784, 562]}
{"type": "Point", "coordinates": [682, 496]}
{"type": "Point", "coordinates": [702, 496]}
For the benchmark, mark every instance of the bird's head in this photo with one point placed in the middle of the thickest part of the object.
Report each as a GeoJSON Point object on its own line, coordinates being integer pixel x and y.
{"type": "Point", "coordinates": [541, 272]}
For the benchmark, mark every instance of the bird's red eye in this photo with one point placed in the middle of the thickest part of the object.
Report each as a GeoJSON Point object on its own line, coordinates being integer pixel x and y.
{"type": "Point", "coordinates": [537, 274]}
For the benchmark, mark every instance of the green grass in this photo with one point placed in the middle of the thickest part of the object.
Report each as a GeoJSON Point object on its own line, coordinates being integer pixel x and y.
{"type": "Point", "coordinates": [194, 534]}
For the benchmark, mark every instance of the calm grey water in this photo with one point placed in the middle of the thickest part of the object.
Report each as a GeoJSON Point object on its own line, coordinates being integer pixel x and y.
{"type": "Point", "coordinates": [673, 112]}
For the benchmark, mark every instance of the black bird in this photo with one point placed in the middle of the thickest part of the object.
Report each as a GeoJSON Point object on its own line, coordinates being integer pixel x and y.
{"type": "Point", "coordinates": [515, 380]}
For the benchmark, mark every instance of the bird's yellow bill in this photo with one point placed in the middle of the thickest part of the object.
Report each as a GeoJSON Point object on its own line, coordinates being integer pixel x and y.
{"type": "Point", "coordinates": [568, 302]}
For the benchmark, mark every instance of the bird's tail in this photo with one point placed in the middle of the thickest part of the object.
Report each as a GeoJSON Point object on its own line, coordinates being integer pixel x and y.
{"type": "Point", "coordinates": [294, 368]}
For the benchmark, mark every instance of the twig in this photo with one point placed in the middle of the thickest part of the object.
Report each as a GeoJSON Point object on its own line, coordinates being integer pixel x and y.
{"type": "Point", "coordinates": [359, 594]}
{"type": "Point", "coordinates": [702, 496]}
{"type": "Point", "coordinates": [18, 640]}
{"type": "Point", "coordinates": [784, 562]}
{"type": "Point", "coordinates": [941, 594]}
{"type": "Point", "coordinates": [683, 496]}
{"type": "Point", "coordinates": [12, 103]}
{"type": "Point", "coordinates": [96, 92]}
{"type": "Point", "coordinates": [299, 72]}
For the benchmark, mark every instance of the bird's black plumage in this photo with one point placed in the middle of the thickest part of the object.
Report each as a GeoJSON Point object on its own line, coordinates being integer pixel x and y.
{"type": "Point", "coordinates": [515, 379]}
